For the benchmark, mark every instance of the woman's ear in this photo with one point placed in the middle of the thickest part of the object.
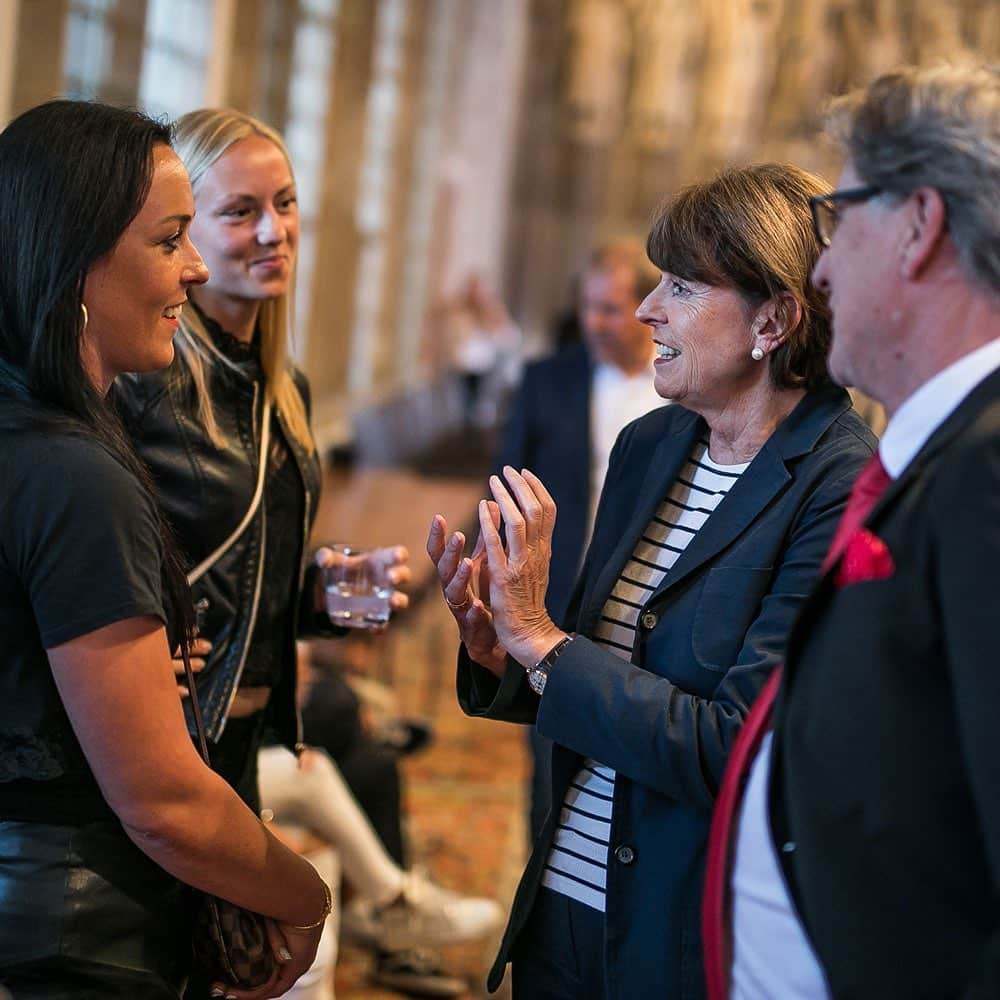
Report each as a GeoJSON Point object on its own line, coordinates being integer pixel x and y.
{"type": "Point", "coordinates": [775, 320]}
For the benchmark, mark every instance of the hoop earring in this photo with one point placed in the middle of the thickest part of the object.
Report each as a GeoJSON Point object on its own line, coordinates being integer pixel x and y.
{"type": "Point", "coordinates": [86, 317]}
{"type": "Point", "coordinates": [757, 354]}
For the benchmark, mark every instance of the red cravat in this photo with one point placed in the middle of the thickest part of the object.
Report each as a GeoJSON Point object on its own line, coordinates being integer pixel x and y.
{"type": "Point", "coordinates": [868, 487]}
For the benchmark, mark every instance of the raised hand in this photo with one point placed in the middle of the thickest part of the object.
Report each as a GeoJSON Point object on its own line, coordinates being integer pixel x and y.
{"type": "Point", "coordinates": [519, 571]}
{"type": "Point", "coordinates": [465, 586]}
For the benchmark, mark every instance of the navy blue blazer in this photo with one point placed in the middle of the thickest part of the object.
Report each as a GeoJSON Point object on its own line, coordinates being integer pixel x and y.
{"type": "Point", "coordinates": [708, 639]}
{"type": "Point", "coordinates": [548, 431]}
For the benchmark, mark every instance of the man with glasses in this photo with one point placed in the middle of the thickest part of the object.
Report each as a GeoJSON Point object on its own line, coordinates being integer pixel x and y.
{"type": "Point", "coordinates": [856, 844]}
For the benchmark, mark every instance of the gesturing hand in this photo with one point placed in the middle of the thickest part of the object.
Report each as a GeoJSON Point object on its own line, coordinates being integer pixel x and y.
{"type": "Point", "coordinates": [465, 585]}
{"type": "Point", "coordinates": [519, 574]}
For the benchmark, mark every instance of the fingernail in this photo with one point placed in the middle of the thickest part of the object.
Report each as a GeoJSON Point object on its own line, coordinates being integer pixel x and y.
{"type": "Point", "coordinates": [284, 954]}
{"type": "Point", "coordinates": [216, 992]}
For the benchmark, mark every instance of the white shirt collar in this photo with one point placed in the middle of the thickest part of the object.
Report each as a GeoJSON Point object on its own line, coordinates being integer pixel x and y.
{"type": "Point", "coordinates": [917, 419]}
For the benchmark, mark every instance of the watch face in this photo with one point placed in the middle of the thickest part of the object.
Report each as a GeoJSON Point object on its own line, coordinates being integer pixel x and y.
{"type": "Point", "coordinates": [537, 679]}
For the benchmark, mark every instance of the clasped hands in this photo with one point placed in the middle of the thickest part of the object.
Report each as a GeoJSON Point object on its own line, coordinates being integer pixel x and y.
{"type": "Point", "coordinates": [497, 595]}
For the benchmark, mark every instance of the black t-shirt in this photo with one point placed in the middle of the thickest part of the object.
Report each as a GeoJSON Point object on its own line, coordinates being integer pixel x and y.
{"type": "Point", "coordinates": [79, 549]}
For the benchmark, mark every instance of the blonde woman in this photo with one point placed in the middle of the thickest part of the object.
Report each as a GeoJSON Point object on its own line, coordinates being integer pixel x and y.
{"type": "Point", "coordinates": [199, 426]}
{"type": "Point", "coordinates": [241, 512]}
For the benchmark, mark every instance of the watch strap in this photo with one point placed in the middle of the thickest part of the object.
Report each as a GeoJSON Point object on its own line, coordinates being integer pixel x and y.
{"type": "Point", "coordinates": [539, 673]}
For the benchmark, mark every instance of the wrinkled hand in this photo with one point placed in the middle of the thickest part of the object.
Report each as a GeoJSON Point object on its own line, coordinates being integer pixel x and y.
{"type": "Point", "coordinates": [199, 651]}
{"type": "Point", "coordinates": [387, 563]}
{"type": "Point", "coordinates": [519, 573]}
{"type": "Point", "coordinates": [294, 952]}
{"type": "Point", "coordinates": [465, 585]}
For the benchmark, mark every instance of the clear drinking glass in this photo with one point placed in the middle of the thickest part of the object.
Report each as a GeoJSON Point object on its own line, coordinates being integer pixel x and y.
{"type": "Point", "coordinates": [357, 588]}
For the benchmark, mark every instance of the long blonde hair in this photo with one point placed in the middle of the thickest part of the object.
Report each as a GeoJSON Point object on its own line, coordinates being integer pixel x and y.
{"type": "Point", "coordinates": [201, 137]}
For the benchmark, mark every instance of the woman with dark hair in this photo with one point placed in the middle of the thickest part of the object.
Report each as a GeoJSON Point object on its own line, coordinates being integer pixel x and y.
{"type": "Point", "coordinates": [712, 524]}
{"type": "Point", "coordinates": [106, 808]}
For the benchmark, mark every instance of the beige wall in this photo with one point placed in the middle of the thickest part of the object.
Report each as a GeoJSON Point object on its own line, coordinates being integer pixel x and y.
{"type": "Point", "coordinates": [440, 138]}
{"type": "Point", "coordinates": [624, 100]}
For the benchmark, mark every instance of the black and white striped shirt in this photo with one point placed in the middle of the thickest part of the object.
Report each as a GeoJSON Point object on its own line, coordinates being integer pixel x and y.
{"type": "Point", "coordinates": [578, 859]}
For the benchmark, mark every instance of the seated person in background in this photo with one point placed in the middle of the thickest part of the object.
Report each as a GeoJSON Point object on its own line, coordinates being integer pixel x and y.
{"type": "Point", "coordinates": [332, 720]}
{"type": "Point", "coordinates": [485, 345]}
{"type": "Point", "coordinates": [396, 911]}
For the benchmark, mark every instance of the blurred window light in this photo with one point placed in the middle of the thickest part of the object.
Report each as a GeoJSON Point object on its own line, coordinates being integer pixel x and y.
{"type": "Point", "coordinates": [175, 63]}
{"type": "Point", "coordinates": [375, 189]}
{"type": "Point", "coordinates": [305, 132]}
{"type": "Point", "coordinates": [87, 50]}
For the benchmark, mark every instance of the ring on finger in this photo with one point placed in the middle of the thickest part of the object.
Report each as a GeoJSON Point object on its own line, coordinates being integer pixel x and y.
{"type": "Point", "coordinates": [464, 603]}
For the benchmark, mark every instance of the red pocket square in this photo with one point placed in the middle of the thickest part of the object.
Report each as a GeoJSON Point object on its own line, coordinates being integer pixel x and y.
{"type": "Point", "coordinates": [866, 557]}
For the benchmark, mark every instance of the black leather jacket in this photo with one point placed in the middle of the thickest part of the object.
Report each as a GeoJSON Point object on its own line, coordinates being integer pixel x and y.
{"type": "Point", "coordinates": [204, 492]}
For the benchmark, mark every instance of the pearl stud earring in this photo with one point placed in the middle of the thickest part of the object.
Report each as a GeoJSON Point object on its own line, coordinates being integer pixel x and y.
{"type": "Point", "coordinates": [757, 354]}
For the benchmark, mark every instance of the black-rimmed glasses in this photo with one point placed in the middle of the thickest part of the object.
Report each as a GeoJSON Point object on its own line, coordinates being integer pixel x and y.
{"type": "Point", "coordinates": [826, 214]}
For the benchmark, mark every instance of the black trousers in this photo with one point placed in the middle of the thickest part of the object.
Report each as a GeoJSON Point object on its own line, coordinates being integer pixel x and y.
{"type": "Point", "coordinates": [560, 953]}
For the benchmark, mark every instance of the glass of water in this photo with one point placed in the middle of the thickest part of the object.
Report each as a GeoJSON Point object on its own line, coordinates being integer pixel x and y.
{"type": "Point", "coordinates": [357, 588]}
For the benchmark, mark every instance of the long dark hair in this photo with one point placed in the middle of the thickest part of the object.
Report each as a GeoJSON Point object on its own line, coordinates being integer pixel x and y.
{"type": "Point", "coordinates": [73, 176]}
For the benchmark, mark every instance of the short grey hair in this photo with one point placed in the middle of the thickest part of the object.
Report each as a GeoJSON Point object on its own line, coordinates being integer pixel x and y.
{"type": "Point", "coordinates": [937, 127]}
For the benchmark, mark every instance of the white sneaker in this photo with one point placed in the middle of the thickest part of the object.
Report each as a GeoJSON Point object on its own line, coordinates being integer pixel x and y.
{"type": "Point", "coordinates": [425, 915]}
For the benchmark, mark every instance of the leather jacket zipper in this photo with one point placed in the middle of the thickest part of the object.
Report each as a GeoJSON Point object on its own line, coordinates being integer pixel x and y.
{"type": "Point", "coordinates": [257, 585]}
{"type": "Point", "coordinates": [299, 728]}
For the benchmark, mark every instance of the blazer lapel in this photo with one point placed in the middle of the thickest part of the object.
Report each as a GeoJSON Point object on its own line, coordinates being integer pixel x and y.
{"type": "Point", "coordinates": [953, 425]}
{"type": "Point", "coordinates": [765, 477]}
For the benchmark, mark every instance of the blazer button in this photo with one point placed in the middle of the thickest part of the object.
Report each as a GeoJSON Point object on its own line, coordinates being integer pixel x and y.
{"type": "Point", "coordinates": [625, 854]}
{"type": "Point", "coordinates": [789, 847]}
{"type": "Point", "coordinates": [650, 620]}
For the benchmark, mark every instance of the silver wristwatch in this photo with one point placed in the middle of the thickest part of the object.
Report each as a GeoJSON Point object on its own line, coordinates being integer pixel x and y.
{"type": "Point", "coordinates": [539, 673]}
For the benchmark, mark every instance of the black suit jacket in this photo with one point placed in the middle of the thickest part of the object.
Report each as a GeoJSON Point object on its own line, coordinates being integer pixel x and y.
{"type": "Point", "coordinates": [886, 782]}
{"type": "Point", "coordinates": [549, 432]}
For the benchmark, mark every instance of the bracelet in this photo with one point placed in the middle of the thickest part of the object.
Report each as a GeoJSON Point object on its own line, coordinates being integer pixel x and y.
{"type": "Point", "coordinates": [327, 910]}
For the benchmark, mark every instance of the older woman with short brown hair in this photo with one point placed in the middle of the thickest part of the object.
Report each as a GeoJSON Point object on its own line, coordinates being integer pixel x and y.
{"type": "Point", "coordinates": [714, 519]}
